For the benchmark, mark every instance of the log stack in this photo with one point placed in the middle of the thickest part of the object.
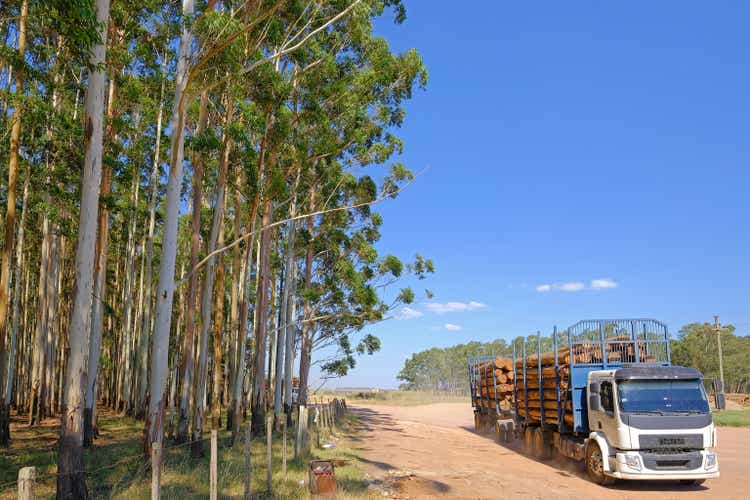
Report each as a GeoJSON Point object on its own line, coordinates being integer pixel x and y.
{"type": "Point", "coordinates": [495, 383]}
{"type": "Point", "coordinates": [535, 397]}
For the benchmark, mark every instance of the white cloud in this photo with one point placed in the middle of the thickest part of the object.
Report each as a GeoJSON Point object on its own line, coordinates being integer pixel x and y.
{"type": "Point", "coordinates": [447, 307]}
{"type": "Point", "coordinates": [577, 286]}
{"type": "Point", "coordinates": [452, 328]}
{"type": "Point", "coordinates": [409, 313]}
{"type": "Point", "coordinates": [603, 284]}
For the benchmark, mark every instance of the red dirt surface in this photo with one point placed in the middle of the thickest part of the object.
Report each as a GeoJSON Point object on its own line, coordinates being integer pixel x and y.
{"type": "Point", "coordinates": [432, 451]}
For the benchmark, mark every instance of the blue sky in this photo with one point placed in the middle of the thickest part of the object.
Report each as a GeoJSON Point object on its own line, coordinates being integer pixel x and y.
{"type": "Point", "coordinates": [569, 142]}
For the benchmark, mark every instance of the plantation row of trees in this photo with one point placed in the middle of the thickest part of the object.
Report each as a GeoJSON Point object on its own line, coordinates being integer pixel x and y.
{"type": "Point", "coordinates": [188, 213]}
{"type": "Point", "coordinates": [446, 369]}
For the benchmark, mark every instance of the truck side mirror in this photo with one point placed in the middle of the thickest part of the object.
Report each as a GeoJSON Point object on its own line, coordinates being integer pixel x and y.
{"type": "Point", "coordinates": [594, 403]}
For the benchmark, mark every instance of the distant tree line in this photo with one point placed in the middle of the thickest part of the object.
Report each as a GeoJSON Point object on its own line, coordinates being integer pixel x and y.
{"type": "Point", "coordinates": [445, 369]}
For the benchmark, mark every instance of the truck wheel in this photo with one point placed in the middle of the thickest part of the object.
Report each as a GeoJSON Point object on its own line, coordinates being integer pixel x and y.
{"type": "Point", "coordinates": [595, 465]}
{"type": "Point", "coordinates": [542, 449]}
{"type": "Point", "coordinates": [528, 440]}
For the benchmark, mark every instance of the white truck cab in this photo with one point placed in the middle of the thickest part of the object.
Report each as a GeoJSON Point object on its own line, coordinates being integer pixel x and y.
{"type": "Point", "coordinates": [649, 422]}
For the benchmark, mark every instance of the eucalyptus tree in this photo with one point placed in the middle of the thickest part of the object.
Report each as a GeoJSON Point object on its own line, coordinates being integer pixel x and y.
{"type": "Point", "coordinates": [71, 479]}
{"type": "Point", "coordinates": [10, 219]}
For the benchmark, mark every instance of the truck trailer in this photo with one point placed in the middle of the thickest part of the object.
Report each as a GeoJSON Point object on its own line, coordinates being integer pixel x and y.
{"type": "Point", "coordinates": [605, 393]}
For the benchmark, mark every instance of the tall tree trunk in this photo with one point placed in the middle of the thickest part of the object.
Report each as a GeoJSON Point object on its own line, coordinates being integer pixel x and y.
{"type": "Point", "coordinates": [128, 323]}
{"type": "Point", "coordinates": [148, 287]}
{"type": "Point", "coordinates": [10, 224]}
{"type": "Point", "coordinates": [237, 288]}
{"type": "Point", "coordinates": [71, 479]}
{"type": "Point", "coordinates": [261, 326]}
{"type": "Point", "coordinates": [290, 327]}
{"type": "Point", "coordinates": [16, 297]}
{"type": "Point", "coordinates": [308, 326]}
{"type": "Point", "coordinates": [163, 318]}
{"type": "Point", "coordinates": [217, 341]}
{"type": "Point", "coordinates": [246, 282]}
{"type": "Point", "coordinates": [100, 291]}
{"type": "Point", "coordinates": [39, 349]}
{"type": "Point", "coordinates": [188, 358]}
{"type": "Point", "coordinates": [208, 282]}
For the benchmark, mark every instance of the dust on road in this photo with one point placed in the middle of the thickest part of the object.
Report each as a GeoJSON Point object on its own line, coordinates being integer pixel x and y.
{"type": "Point", "coordinates": [432, 450]}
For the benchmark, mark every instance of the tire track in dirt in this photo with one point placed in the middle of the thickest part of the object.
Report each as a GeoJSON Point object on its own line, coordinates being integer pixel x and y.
{"type": "Point", "coordinates": [432, 451]}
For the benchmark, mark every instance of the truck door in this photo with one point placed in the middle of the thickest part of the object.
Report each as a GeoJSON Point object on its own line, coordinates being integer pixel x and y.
{"type": "Point", "coordinates": [602, 418]}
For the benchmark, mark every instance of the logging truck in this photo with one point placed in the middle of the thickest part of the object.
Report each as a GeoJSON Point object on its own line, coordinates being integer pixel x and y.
{"type": "Point", "coordinates": [603, 392]}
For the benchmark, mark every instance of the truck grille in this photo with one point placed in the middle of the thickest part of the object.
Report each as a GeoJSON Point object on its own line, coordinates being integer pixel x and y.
{"type": "Point", "coordinates": [670, 442]}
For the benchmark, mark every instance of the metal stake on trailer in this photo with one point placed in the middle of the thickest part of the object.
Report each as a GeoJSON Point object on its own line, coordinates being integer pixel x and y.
{"type": "Point", "coordinates": [525, 384]}
{"type": "Point", "coordinates": [557, 380]}
{"type": "Point", "coordinates": [542, 422]}
{"type": "Point", "coordinates": [570, 376]}
{"type": "Point", "coordinates": [634, 336]}
{"type": "Point", "coordinates": [491, 363]}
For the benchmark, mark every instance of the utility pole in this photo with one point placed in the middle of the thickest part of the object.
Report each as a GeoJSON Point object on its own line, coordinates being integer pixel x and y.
{"type": "Point", "coordinates": [717, 329]}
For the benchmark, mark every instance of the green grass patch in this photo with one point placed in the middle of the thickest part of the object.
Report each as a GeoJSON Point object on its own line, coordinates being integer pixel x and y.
{"type": "Point", "coordinates": [116, 468]}
{"type": "Point", "coordinates": [732, 418]}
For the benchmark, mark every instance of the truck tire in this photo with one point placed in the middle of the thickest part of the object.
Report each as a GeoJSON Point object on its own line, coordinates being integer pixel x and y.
{"type": "Point", "coordinates": [595, 465]}
{"type": "Point", "coordinates": [528, 440]}
{"type": "Point", "coordinates": [542, 446]}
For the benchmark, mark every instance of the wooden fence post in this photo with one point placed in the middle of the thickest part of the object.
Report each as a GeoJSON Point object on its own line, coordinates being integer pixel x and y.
{"type": "Point", "coordinates": [214, 465]}
{"type": "Point", "coordinates": [156, 470]}
{"type": "Point", "coordinates": [317, 425]}
{"type": "Point", "coordinates": [269, 454]}
{"type": "Point", "coordinates": [248, 463]}
{"type": "Point", "coordinates": [300, 443]}
{"type": "Point", "coordinates": [27, 483]}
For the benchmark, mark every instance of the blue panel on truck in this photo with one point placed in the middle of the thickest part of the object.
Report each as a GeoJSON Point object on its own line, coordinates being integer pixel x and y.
{"type": "Point", "coordinates": [609, 344]}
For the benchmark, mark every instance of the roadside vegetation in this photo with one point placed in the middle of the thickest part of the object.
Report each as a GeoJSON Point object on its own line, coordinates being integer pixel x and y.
{"type": "Point", "coordinates": [116, 468]}
{"type": "Point", "coordinates": [188, 196]}
{"type": "Point", "coordinates": [444, 370]}
{"type": "Point", "coordinates": [405, 398]}
{"type": "Point", "coordinates": [732, 418]}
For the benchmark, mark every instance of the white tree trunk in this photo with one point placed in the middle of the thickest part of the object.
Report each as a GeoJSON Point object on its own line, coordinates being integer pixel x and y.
{"type": "Point", "coordinates": [71, 479]}
{"type": "Point", "coordinates": [148, 287]}
{"type": "Point", "coordinates": [163, 318]}
{"type": "Point", "coordinates": [39, 348]}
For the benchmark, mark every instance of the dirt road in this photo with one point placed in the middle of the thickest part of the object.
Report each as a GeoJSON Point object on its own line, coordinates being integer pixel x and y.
{"type": "Point", "coordinates": [432, 450]}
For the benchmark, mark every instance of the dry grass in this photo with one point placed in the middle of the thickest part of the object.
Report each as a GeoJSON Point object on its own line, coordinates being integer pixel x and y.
{"type": "Point", "coordinates": [402, 398]}
{"type": "Point", "coordinates": [116, 468]}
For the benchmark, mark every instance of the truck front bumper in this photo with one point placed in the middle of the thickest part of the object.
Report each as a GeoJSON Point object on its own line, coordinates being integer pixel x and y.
{"type": "Point", "coordinates": [631, 465]}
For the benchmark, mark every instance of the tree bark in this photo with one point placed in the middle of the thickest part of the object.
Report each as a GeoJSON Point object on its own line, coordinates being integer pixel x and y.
{"type": "Point", "coordinates": [290, 327]}
{"type": "Point", "coordinates": [208, 284]}
{"type": "Point", "coordinates": [188, 358]}
{"type": "Point", "coordinates": [148, 287]}
{"type": "Point", "coordinates": [261, 332]}
{"type": "Point", "coordinates": [308, 326]}
{"type": "Point", "coordinates": [16, 299]}
{"type": "Point", "coordinates": [71, 479]}
{"type": "Point", "coordinates": [10, 224]}
{"type": "Point", "coordinates": [163, 318]}
{"type": "Point", "coordinates": [100, 290]}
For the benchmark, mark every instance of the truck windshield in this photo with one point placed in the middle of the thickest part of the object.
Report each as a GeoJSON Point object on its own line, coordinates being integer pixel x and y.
{"type": "Point", "coordinates": [662, 396]}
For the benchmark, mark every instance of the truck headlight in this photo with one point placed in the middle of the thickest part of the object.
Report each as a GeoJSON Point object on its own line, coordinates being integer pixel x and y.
{"type": "Point", "coordinates": [710, 460]}
{"type": "Point", "coordinates": [633, 461]}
